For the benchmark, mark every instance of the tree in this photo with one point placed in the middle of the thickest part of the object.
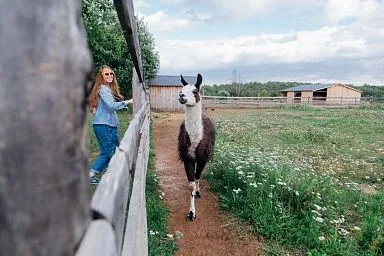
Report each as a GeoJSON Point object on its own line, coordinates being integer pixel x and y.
{"type": "Point", "coordinates": [263, 93]}
{"type": "Point", "coordinates": [107, 43]}
{"type": "Point", "coordinates": [149, 55]}
{"type": "Point", "coordinates": [236, 86]}
{"type": "Point", "coordinates": [223, 93]}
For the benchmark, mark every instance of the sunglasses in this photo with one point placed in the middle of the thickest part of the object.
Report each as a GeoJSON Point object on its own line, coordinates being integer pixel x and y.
{"type": "Point", "coordinates": [108, 74]}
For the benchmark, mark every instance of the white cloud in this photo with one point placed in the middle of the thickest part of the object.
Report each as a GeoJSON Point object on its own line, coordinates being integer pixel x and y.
{"type": "Point", "coordinates": [174, 1]}
{"type": "Point", "coordinates": [160, 22]}
{"type": "Point", "coordinates": [353, 52]}
{"type": "Point", "coordinates": [327, 42]}
{"type": "Point", "coordinates": [141, 4]}
{"type": "Point", "coordinates": [241, 9]}
{"type": "Point", "coordinates": [338, 10]}
{"type": "Point", "coordinates": [327, 49]}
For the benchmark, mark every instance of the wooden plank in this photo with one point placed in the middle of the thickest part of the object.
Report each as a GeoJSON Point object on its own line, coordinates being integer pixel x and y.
{"type": "Point", "coordinates": [136, 237]}
{"type": "Point", "coordinates": [111, 196]}
{"type": "Point", "coordinates": [99, 240]}
{"type": "Point", "coordinates": [126, 14]}
{"type": "Point", "coordinates": [138, 93]}
{"type": "Point", "coordinates": [44, 188]}
{"type": "Point", "coordinates": [130, 142]}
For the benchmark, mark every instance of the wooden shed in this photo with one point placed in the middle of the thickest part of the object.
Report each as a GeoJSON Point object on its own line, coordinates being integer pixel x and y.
{"type": "Point", "coordinates": [164, 92]}
{"type": "Point", "coordinates": [332, 94]}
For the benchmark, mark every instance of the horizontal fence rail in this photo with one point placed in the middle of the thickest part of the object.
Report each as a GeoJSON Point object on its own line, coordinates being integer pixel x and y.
{"type": "Point", "coordinates": [105, 235]}
{"type": "Point", "coordinates": [136, 239]}
{"type": "Point", "coordinates": [218, 101]}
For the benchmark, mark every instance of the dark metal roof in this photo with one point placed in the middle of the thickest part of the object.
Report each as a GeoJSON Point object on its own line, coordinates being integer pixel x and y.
{"type": "Point", "coordinates": [162, 80]}
{"type": "Point", "coordinates": [308, 87]}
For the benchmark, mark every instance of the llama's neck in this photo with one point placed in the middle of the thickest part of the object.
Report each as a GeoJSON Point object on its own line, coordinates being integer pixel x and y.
{"type": "Point", "coordinates": [193, 122]}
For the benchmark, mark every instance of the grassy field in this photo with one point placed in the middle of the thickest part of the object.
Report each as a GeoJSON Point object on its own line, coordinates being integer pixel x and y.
{"type": "Point", "coordinates": [309, 179]}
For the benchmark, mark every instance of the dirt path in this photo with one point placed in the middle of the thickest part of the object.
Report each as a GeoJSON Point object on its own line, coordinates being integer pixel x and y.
{"type": "Point", "coordinates": [213, 232]}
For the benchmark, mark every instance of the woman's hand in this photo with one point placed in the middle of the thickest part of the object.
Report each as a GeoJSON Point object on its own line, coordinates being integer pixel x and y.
{"type": "Point", "coordinates": [126, 102]}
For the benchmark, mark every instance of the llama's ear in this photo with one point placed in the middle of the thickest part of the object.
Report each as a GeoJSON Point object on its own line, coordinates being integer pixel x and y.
{"type": "Point", "coordinates": [183, 81]}
{"type": "Point", "coordinates": [199, 81]}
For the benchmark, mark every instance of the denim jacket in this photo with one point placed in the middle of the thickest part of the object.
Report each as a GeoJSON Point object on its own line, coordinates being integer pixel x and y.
{"type": "Point", "coordinates": [106, 109]}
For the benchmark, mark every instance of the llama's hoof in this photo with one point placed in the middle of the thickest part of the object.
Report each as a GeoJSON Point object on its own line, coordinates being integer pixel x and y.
{"type": "Point", "coordinates": [197, 194]}
{"type": "Point", "coordinates": [191, 216]}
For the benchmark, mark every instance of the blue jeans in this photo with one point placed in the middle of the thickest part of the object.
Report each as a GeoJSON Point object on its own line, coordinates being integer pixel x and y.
{"type": "Point", "coordinates": [108, 141]}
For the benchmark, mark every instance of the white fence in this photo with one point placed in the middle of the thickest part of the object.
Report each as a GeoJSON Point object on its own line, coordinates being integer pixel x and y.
{"type": "Point", "coordinates": [230, 102]}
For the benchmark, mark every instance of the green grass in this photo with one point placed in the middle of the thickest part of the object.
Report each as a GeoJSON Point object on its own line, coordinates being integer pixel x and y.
{"type": "Point", "coordinates": [297, 175]}
{"type": "Point", "coordinates": [157, 214]}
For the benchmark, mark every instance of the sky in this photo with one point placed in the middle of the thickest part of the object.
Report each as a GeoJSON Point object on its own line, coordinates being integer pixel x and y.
{"type": "Point", "coordinates": [317, 41]}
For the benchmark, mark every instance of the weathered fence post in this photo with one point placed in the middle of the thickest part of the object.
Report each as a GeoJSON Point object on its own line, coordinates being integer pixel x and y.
{"type": "Point", "coordinates": [138, 93]}
{"type": "Point", "coordinates": [44, 64]}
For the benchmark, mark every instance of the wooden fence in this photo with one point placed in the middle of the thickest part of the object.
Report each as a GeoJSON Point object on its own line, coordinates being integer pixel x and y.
{"type": "Point", "coordinates": [114, 231]}
{"type": "Point", "coordinates": [105, 235]}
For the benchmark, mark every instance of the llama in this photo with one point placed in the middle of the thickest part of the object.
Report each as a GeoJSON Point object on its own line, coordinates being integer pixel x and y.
{"type": "Point", "coordinates": [196, 139]}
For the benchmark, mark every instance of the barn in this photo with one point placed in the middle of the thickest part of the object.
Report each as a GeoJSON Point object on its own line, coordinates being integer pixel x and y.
{"type": "Point", "coordinates": [332, 94]}
{"type": "Point", "coordinates": [164, 92]}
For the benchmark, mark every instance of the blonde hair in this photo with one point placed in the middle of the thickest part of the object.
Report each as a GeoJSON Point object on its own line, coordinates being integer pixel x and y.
{"type": "Point", "coordinates": [93, 99]}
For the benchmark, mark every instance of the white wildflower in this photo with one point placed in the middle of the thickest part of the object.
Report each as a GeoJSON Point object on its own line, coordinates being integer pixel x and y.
{"type": "Point", "coordinates": [343, 232]}
{"type": "Point", "coordinates": [253, 184]}
{"type": "Point", "coordinates": [178, 235]}
{"type": "Point", "coordinates": [240, 172]}
{"type": "Point", "coordinates": [318, 219]}
{"type": "Point", "coordinates": [321, 238]}
{"type": "Point", "coordinates": [237, 191]}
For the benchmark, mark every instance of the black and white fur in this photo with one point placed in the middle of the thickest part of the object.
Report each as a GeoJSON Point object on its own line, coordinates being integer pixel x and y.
{"type": "Point", "coordinates": [196, 139]}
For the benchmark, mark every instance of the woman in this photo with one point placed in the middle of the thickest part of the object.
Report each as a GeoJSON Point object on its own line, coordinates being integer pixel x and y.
{"type": "Point", "coordinates": [103, 104]}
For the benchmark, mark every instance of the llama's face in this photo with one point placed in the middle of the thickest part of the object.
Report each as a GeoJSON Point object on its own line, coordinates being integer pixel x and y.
{"type": "Point", "coordinates": [189, 94]}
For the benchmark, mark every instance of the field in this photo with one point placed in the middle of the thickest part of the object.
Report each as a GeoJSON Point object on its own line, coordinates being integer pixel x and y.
{"type": "Point", "coordinates": [308, 179]}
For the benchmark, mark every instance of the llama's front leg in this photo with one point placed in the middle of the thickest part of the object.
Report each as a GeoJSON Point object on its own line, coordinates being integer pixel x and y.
{"type": "Point", "coordinates": [190, 170]}
{"type": "Point", "coordinates": [192, 210]}
{"type": "Point", "coordinates": [197, 194]}
{"type": "Point", "coordinates": [199, 168]}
